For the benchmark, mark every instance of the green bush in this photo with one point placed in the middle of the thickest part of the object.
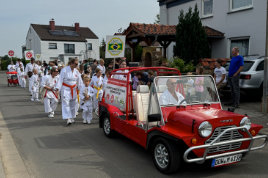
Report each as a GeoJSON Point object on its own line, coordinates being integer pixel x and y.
{"type": "Point", "coordinates": [5, 61]}
{"type": "Point", "coordinates": [180, 64]}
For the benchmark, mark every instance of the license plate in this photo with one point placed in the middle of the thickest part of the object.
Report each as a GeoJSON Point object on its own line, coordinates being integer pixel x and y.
{"type": "Point", "coordinates": [226, 160]}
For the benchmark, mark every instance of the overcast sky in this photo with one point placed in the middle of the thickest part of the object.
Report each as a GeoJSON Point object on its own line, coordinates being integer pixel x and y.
{"type": "Point", "coordinates": [103, 17]}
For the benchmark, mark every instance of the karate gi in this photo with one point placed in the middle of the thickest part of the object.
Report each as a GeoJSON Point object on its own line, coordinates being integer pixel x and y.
{"type": "Point", "coordinates": [35, 87]}
{"type": "Point", "coordinates": [22, 79]}
{"type": "Point", "coordinates": [167, 99]}
{"type": "Point", "coordinates": [50, 97]}
{"type": "Point", "coordinates": [122, 77]}
{"type": "Point", "coordinates": [11, 68]}
{"type": "Point", "coordinates": [68, 82]}
{"type": "Point", "coordinates": [97, 84]}
{"type": "Point", "coordinates": [105, 81]}
{"type": "Point", "coordinates": [18, 65]}
{"type": "Point", "coordinates": [86, 105]}
{"type": "Point", "coordinates": [102, 68]}
{"type": "Point", "coordinates": [29, 68]}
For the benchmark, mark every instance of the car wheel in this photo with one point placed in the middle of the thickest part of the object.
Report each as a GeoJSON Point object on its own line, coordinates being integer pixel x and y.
{"type": "Point", "coordinates": [107, 127]}
{"type": "Point", "coordinates": [166, 156]}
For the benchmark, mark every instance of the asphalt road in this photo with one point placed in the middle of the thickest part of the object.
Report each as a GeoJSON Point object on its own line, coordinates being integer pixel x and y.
{"type": "Point", "coordinates": [50, 149]}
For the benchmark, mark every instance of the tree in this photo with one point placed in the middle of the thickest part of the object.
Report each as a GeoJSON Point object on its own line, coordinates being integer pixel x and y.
{"type": "Point", "coordinates": [102, 49]}
{"type": "Point", "coordinates": [157, 20]}
{"type": "Point", "coordinates": [191, 38]}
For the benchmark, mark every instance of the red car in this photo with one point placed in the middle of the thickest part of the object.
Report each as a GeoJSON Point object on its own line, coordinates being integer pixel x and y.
{"type": "Point", "coordinates": [178, 118]}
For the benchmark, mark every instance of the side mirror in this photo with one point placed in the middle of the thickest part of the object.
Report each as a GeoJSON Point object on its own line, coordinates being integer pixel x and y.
{"type": "Point", "coordinates": [154, 117]}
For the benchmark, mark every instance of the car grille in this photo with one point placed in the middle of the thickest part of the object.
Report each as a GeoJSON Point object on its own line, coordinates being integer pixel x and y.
{"type": "Point", "coordinates": [231, 135]}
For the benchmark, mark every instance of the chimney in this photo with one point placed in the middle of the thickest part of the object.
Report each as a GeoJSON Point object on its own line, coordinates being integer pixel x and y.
{"type": "Point", "coordinates": [76, 26]}
{"type": "Point", "coordinates": [52, 24]}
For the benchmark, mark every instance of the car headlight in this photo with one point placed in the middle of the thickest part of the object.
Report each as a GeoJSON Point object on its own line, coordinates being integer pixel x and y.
{"type": "Point", "coordinates": [246, 123]}
{"type": "Point", "coordinates": [205, 129]}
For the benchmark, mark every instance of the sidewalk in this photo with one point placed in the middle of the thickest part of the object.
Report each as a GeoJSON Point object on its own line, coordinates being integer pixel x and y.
{"type": "Point", "coordinates": [11, 163]}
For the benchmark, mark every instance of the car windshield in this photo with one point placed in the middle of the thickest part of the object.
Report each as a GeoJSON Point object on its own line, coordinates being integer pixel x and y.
{"type": "Point", "coordinates": [246, 67]}
{"type": "Point", "coordinates": [185, 90]}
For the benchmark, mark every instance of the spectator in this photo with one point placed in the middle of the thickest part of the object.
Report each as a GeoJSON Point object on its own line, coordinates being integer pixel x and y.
{"type": "Point", "coordinates": [102, 67]}
{"type": "Point", "coordinates": [137, 80]}
{"type": "Point", "coordinates": [220, 75]}
{"type": "Point", "coordinates": [236, 66]}
{"type": "Point", "coordinates": [117, 60]}
{"type": "Point", "coordinates": [94, 66]}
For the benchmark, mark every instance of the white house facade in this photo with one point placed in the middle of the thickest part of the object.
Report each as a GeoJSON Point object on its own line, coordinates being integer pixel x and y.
{"type": "Point", "coordinates": [243, 23]}
{"type": "Point", "coordinates": [62, 42]}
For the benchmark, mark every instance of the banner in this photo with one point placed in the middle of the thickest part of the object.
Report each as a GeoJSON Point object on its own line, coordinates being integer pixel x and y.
{"type": "Point", "coordinates": [116, 95]}
{"type": "Point", "coordinates": [28, 54]}
{"type": "Point", "coordinates": [115, 46]}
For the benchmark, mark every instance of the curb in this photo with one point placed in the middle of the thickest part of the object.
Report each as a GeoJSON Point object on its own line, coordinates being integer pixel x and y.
{"type": "Point", "coordinates": [13, 164]}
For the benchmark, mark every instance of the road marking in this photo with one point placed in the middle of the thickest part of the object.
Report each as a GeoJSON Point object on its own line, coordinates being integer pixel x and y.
{"type": "Point", "coordinates": [11, 159]}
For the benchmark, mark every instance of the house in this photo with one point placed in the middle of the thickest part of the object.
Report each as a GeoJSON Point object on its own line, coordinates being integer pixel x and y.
{"type": "Point", "coordinates": [243, 23]}
{"type": "Point", "coordinates": [61, 43]}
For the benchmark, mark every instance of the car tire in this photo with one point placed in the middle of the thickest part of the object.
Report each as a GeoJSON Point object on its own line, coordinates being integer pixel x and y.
{"type": "Point", "coordinates": [107, 128]}
{"type": "Point", "coordinates": [166, 156]}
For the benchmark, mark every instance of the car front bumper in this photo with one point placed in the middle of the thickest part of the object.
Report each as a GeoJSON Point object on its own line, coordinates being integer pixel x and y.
{"type": "Point", "coordinates": [215, 143]}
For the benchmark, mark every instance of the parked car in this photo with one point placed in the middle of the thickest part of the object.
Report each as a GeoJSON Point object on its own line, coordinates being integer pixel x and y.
{"type": "Point", "coordinates": [252, 75]}
{"type": "Point", "coordinates": [193, 129]}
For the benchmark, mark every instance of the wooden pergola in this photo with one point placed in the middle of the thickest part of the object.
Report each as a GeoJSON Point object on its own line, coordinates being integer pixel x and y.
{"type": "Point", "coordinates": [163, 34]}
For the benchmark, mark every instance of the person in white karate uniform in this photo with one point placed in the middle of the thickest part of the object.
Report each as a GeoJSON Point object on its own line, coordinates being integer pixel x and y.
{"type": "Point", "coordinates": [69, 81]}
{"type": "Point", "coordinates": [35, 85]}
{"type": "Point", "coordinates": [50, 96]}
{"type": "Point", "coordinates": [97, 84]}
{"type": "Point", "coordinates": [11, 67]}
{"type": "Point", "coordinates": [19, 63]}
{"type": "Point", "coordinates": [101, 67]}
{"type": "Point", "coordinates": [122, 64]}
{"type": "Point", "coordinates": [28, 71]}
{"type": "Point", "coordinates": [22, 78]}
{"type": "Point", "coordinates": [86, 101]}
{"type": "Point", "coordinates": [170, 96]}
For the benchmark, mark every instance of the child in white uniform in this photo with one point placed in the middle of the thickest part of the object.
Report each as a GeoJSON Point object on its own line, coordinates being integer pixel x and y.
{"type": "Point", "coordinates": [97, 83]}
{"type": "Point", "coordinates": [22, 78]}
{"type": "Point", "coordinates": [35, 85]}
{"type": "Point", "coordinates": [50, 96]}
{"type": "Point", "coordinates": [86, 100]}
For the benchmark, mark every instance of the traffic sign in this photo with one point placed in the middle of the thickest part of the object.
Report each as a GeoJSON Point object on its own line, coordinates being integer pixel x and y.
{"type": "Point", "coordinates": [28, 54]}
{"type": "Point", "coordinates": [37, 56]}
{"type": "Point", "coordinates": [10, 53]}
{"type": "Point", "coordinates": [115, 46]}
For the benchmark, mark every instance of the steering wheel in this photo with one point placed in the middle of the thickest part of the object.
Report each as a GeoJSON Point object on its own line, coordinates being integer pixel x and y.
{"type": "Point", "coordinates": [184, 100]}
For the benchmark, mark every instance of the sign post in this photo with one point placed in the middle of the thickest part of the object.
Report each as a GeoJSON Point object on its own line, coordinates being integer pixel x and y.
{"type": "Point", "coordinates": [38, 56]}
{"type": "Point", "coordinates": [115, 47]}
{"type": "Point", "coordinates": [11, 54]}
{"type": "Point", "coordinates": [28, 54]}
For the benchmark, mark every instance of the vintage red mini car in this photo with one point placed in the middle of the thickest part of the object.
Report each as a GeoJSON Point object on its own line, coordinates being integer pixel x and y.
{"type": "Point", "coordinates": [178, 118]}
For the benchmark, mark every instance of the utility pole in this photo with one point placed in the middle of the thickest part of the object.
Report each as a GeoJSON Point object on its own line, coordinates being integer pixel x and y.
{"type": "Point", "coordinates": [265, 81]}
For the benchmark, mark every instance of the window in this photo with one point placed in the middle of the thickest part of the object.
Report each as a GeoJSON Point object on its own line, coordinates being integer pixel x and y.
{"type": "Point", "coordinates": [52, 46]}
{"type": "Point", "coordinates": [242, 44]}
{"type": "Point", "coordinates": [89, 46]}
{"type": "Point", "coordinates": [207, 6]}
{"type": "Point", "coordinates": [260, 66]}
{"type": "Point", "coordinates": [69, 48]}
{"type": "Point", "coordinates": [240, 4]}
